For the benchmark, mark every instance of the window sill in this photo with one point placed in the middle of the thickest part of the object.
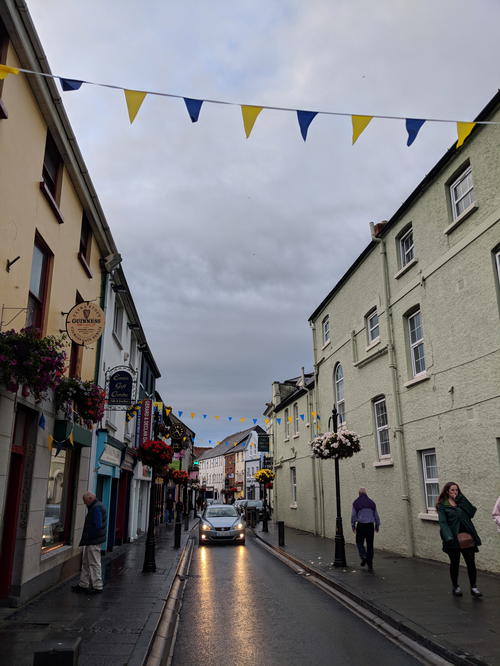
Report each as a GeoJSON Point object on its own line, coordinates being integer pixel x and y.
{"type": "Point", "coordinates": [85, 265]}
{"type": "Point", "coordinates": [463, 215]}
{"type": "Point", "coordinates": [385, 462]}
{"type": "Point", "coordinates": [293, 505]}
{"type": "Point", "coordinates": [325, 345]}
{"type": "Point", "coordinates": [405, 268]}
{"type": "Point", "coordinates": [433, 517]}
{"type": "Point", "coordinates": [296, 436]}
{"type": "Point", "coordinates": [372, 344]}
{"type": "Point", "coordinates": [287, 439]}
{"type": "Point", "coordinates": [3, 111]}
{"type": "Point", "coordinates": [51, 201]}
{"type": "Point", "coordinates": [56, 550]}
{"type": "Point", "coordinates": [371, 357]}
{"type": "Point", "coordinates": [111, 426]}
{"type": "Point", "coordinates": [416, 380]}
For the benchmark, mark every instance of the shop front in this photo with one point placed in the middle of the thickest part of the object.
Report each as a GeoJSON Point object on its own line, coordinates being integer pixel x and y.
{"type": "Point", "coordinates": [139, 501]}
{"type": "Point", "coordinates": [129, 461]}
{"type": "Point", "coordinates": [109, 455]}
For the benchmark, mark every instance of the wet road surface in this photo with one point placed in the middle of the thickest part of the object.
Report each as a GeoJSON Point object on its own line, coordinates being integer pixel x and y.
{"type": "Point", "coordinates": [243, 606]}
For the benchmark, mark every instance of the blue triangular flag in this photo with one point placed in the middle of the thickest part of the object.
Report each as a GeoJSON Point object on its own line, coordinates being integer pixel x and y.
{"type": "Point", "coordinates": [305, 118]}
{"type": "Point", "coordinates": [413, 126]}
{"type": "Point", "coordinates": [180, 414]}
{"type": "Point", "coordinates": [204, 416]}
{"type": "Point", "coordinates": [41, 422]}
{"type": "Point", "coordinates": [255, 420]}
{"type": "Point", "coordinates": [229, 418]}
{"type": "Point", "coordinates": [70, 84]}
{"type": "Point", "coordinates": [302, 416]}
{"type": "Point", "coordinates": [193, 106]}
{"type": "Point", "coordinates": [209, 441]}
{"type": "Point", "coordinates": [227, 443]}
{"type": "Point", "coordinates": [279, 420]}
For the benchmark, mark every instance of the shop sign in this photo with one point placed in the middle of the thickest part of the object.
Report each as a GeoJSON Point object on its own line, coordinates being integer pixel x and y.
{"type": "Point", "coordinates": [111, 455]}
{"type": "Point", "coordinates": [146, 414]}
{"type": "Point", "coordinates": [263, 442]}
{"type": "Point", "coordinates": [120, 387]}
{"type": "Point", "coordinates": [85, 323]}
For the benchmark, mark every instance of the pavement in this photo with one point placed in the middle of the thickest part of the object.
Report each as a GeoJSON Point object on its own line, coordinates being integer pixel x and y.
{"type": "Point", "coordinates": [411, 594]}
{"type": "Point", "coordinates": [115, 627]}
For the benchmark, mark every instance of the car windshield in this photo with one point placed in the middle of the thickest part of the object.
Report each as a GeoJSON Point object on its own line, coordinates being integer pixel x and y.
{"type": "Point", "coordinates": [254, 503]}
{"type": "Point", "coordinates": [221, 512]}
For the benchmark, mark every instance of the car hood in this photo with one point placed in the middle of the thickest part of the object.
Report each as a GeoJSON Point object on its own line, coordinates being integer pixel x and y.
{"type": "Point", "coordinates": [222, 522]}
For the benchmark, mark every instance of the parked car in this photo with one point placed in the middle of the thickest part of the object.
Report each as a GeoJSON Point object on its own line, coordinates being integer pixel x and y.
{"type": "Point", "coordinates": [254, 504]}
{"type": "Point", "coordinates": [221, 523]}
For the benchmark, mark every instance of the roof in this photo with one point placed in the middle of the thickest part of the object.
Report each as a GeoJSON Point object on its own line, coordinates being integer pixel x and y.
{"type": "Point", "coordinates": [241, 438]}
{"type": "Point", "coordinates": [300, 390]}
{"type": "Point", "coordinates": [450, 154]}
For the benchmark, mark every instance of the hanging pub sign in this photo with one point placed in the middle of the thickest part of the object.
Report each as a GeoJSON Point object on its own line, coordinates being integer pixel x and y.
{"type": "Point", "coordinates": [146, 421]}
{"type": "Point", "coordinates": [85, 323]}
{"type": "Point", "coordinates": [120, 387]}
{"type": "Point", "coordinates": [263, 442]}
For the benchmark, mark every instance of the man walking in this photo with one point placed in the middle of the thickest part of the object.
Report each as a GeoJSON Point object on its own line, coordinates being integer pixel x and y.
{"type": "Point", "coordinates": [365, 521]}
{"type": "Point", "coordinates": [94, 533]}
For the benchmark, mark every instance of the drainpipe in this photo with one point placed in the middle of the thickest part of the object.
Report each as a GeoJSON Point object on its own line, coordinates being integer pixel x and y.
{"type": "Point", "coordinates": [319, 514]}
{"type": "Point", "coordinates": [395, 389]}
{"type": "Point", "coordinates": [313, 468]}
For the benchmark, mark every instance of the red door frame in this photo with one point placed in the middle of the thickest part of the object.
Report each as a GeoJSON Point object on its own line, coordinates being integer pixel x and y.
{"type": "Point", "coordinates": [11, 514]}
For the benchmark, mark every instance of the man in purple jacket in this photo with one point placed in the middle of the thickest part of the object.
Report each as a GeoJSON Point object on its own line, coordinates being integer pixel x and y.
{"type": "Point", "coordinates": [365, 521]}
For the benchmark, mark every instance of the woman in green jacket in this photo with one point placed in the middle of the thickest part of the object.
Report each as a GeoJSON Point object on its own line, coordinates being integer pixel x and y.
{"type": "Point", "coordinates": [455, 517]}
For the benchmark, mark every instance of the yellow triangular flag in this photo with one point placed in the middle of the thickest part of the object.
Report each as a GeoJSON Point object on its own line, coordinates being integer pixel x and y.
{"type": "Point", "coordinates": [463, 131]}
{"type": "Point", "coordinates": [5, 71]}
{"type": "Point", "coordinates": [193, 415]}
{"type": "Point", "coordinates": [242, 419]}
{"type": "Point", "coordinates": [71, 438]}
{"type": "Point", "coordinates": [266, 421]}
{"type": "Point", "coordinates": [313, 414]}
{"type": "Point", "coordinates": [249, 114]}
{"type": "Point", "coordinates": [290, 419]}
{"type": "Point", "coordinates": [134, 99]}
{"type": "Point", "coordinates": [50, 442]}
{"type": "Point", "coordinates": [358, 125]}
{"type": "Point", "coordinates": [216, 418]}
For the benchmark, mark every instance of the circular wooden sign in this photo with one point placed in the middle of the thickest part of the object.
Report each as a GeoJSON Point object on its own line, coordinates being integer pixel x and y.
{"type": "Point", "coordinates": [85, 323]}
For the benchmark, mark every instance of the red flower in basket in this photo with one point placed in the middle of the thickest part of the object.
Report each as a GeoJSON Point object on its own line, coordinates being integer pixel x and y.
{"type": "Point", "coordinates": [155, 453]}
{"type": "Point", "coordinates": [179, 476]}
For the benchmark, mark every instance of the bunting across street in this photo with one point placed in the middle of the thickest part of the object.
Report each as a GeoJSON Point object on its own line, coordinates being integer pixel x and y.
{"type": "Point", "coordinates": [250, 112]}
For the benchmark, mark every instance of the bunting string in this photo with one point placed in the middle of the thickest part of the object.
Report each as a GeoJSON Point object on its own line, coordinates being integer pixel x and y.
{"type": "Point", "coordinates": [135, 98]}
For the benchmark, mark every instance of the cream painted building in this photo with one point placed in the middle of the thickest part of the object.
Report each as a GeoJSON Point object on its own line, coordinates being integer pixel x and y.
{"type": "Point", "coordinates": [407, 347]}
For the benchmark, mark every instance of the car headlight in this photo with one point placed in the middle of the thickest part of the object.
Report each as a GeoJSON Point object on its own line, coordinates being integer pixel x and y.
{"type": "Point", "coordinates": [206, 527]}
{"type": "Point", "coordinates": [237, 526]}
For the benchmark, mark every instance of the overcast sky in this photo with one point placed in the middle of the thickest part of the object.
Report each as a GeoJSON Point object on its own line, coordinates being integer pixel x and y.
{"type": "Point", "coordinates": [229, 243]}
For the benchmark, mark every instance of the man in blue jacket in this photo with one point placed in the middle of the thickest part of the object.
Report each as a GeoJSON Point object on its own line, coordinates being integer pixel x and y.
{"type": "Point", "coordinates": [94, 533]}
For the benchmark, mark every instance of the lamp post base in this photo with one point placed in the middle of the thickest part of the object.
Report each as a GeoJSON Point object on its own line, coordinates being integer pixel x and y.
{"type": "Point", "coordinates": [339, 560]}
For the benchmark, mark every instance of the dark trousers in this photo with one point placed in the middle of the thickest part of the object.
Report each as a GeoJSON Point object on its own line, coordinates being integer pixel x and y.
{"type": "Point", "coordinates": [365, 533]}
{"type": "Point", "coordinates": [469, 555]}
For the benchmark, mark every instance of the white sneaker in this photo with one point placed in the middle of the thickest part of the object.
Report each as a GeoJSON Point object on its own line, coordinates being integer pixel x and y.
{"type": "Point", "coordinates": [475, 592]}
{"type": "Point", "coordinates": [457, 591]}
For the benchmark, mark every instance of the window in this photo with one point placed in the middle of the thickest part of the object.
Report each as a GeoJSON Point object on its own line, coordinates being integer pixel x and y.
{"type": "Point", "coordinates": [382, 428]}
{"type": "Point", "coordinates": [52, 163]}
{"type": "Point", "coordinates": [133, 352]}
{"type": "Point", "coordinates": [497, 260]}
{"type": "Point", "coordinates": [295, 419]}
{"type": "Point", "coordinates": [325, 326]}
{"type": "Point", "coordinates": [293, 484]}
{"type": "Point", "coordinates": [462, 193]}
{"type": "Point", "coordinates": [339, 395]}
{"type": "Point", "coordinates": [4, 43]}
{"type": "Point", "coordinates": [58, 509]}
{"type": "Point", "coordinates": [118, 320]}
{"type": "Point", "coordinates": [406, 248]}
{"type": "Point", "coordinates": [39, 283]}
{"type": "Point", "coordinates": [372, 326]}
{"type": "Point", "coordinates": [85, 241]}
{"type": "Point", "coordinates": [287, 423]}
{"type": "Point", "coordinates": [430, 477]}
{"type": "Point", "coordinates": [416, 339]}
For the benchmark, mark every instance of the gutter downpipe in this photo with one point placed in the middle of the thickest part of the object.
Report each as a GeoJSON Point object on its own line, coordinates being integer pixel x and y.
{"type": "Point", "coordinates": [315, 485]}
{"type": "Point", "coordinates": [319, 513]}
{"type": "Point", "coordinates": [395, 388]}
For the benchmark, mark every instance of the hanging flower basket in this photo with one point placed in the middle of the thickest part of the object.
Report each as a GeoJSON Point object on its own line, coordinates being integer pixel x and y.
{"type": "Point", "coordinates": [34, 363]}
{"type": "Point", "coordinates": [180, 476]}
{"type": "Point", "coordinates": [341, 444]}
{"type": "Point", "coordinates": [264, 475]}
{"type": "Point", "coordinates": [84, 400]}
{"type": "Point", "coordinates": [155, 453]}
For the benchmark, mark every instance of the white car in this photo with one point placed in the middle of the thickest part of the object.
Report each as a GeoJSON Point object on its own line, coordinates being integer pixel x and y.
{"type": "Point", "coordinates": [221, 523]}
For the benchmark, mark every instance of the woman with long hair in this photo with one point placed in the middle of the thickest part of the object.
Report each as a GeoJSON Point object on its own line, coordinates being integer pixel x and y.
{"type": "Point", "coordinates": [458, 534]}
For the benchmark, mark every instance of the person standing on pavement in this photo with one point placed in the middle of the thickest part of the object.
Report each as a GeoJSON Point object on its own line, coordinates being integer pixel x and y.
{"type": "Point", "coordinates": [365, 521]}
{"type": "Point", "coordinates": [458, 534]}
{"type": "Point", "coordinates": [496, 513]}
{"type": "Point", "coordinates": [94, 533]}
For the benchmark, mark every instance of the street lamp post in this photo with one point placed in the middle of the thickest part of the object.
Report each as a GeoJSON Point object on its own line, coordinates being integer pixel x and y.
{"type": "Point", "coordinates": [339, 560]}
{"type": "Point", "coordinates": [264, 507]}
{"type": "Point", "coordinates": [149, 554]}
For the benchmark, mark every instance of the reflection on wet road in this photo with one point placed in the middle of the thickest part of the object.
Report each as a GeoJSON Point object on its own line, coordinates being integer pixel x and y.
{"type": "Point", "coordinates": [243, 606]}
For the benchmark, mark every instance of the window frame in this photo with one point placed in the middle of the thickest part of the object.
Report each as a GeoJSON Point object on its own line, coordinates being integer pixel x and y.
{"type": "Point", "coordinates": [296, 418]}
{"type": "Point", "coordinates": [339, 395]}
{"type": "Point", "coordinates": [68, 497]}
{"type": "Point", "coordinates": [325, 329]}
{"type": "Point", "coordinates": [293, 484]}
{"type": "Point", "coordinates": [40, 300]}
{"type": "Point", "coordinates": [370, 329]}
{"type": "Point", "coordinates": [287, 423]}
{"type": "Point", "coordinates": [429, 480]}
{"type": "Point", "coordinates": [455, 201]}
{"type": "Point", "coordinates": [4, 47]}
{"type": "Point", "coordinates": [381, 428]}
{"type": "Point", "coordinates": [85, 247]}
{"type": "Point", "coordinates": [403, 259]}
{"type": "Point", "coordinates": [118, 317]}
{"type": "Point", "coordinates": [413, 345]}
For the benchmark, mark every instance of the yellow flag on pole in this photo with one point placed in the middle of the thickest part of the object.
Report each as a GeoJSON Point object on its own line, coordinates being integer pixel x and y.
{"type": "Point", "coordinates": [359, 123]}
{"type": "Point", "coordinates": [249, 114]}
{"type": "Point", "coordinates": [134, 99]}
{"type": "Point", "coordinates": [5, 71]}
{"type": "Point", "coordinates": [463, 131]}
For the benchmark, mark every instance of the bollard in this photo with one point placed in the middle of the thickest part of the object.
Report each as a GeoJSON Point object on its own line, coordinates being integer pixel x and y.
{"type": "Point", "coordinates": [177, 534]}
{"type": "Point", "coordinates": [57, 651]}
{"type": "Point", "coordinates": [281, 532]}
